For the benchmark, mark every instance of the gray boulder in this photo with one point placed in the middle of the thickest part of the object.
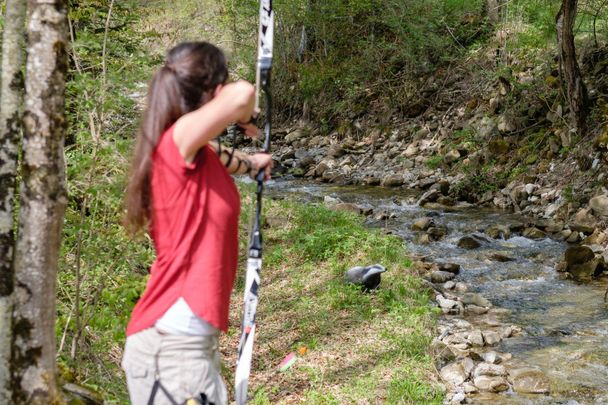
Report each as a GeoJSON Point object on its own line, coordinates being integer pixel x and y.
{"type": "Point", "coordinates": [491, 384]}
{"type": "Point", "coordinates": [534, 233]}
{"type": "Point", "coordinates": [582, 262]}
{"type": "Point", "coordinates": [471, 241]}
{"type": "Point", "coordinates": [475, 299]}
{"type": "Point", "coordinates": [529, 380]}
{"type": "Point", "coordinates": [599, 205]}
{"type": "Point", "coordinates": [491, 338]}
{"type": "Point", "coordinates": [583, 221]}
{"type": "Point", "coordinates": [393, 180]}
{"type": "Point", "coordinates": [441, 276]}
{"type": "Point", "coordinates": [429, 196]}
{"type": "Point", "coordinates": [498, 232]}
{"type": "Point", "coordinates": [476, 337]}
{"type": "Point", "coordinates": [449, 267]}
{"type": "Point", "coordinates": [453, 374]}
{"type": "Point", "coordinates": [436, 232]}
{"type": "Point", "coordinates": [489, 369]}
{"type": "Point", "coordinates": [294, 136]}
{"type": "Point", "coordinates": [475, 310]}
{"type": "Point", "coordinates": [422, 224]}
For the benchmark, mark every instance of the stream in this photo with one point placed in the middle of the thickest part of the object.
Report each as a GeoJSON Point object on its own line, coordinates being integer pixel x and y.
{"type": "Point", "coordinates": [564, 323]}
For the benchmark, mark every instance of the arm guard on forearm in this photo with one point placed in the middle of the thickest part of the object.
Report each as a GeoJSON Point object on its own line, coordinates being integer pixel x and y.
{"type": "Point", "coordinates": [235, 161]}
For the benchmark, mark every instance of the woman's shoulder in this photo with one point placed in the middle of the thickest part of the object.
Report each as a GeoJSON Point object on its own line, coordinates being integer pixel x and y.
{"type": "Point", "coordinates": [166, 136]}
{"type": "Point", "coordinates": [167, 152]}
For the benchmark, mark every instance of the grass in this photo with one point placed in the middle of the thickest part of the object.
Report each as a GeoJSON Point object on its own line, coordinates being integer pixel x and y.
{"type": "Point", "coordinates": [434, 161]}
{"type": "Point", "coordinates": [359, 347]}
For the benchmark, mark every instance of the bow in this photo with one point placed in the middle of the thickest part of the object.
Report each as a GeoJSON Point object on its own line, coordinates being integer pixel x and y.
{"type": "Point", "coordinates": [254, 260]}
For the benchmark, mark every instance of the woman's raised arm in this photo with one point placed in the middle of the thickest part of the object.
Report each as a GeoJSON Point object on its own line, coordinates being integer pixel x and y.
{"type": "Point", "coordinates": [233, 102]}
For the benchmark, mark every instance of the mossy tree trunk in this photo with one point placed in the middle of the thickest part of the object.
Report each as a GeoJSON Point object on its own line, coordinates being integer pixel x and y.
{"type": "Point", "coordinates": [11, 94]}
{"type": "Point", "coordinates": [576, 92]}
{"type": "Point", "coordinates": [42, 204]}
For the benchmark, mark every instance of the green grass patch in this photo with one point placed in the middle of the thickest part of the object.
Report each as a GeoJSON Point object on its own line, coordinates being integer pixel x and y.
{"type": "Point", "coordinates": [357, 344]}
{"type": "Point", "coordinates": [434, 161]}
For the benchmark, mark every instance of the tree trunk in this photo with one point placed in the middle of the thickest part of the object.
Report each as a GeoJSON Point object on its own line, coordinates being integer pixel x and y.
{"type": "Point", "coordinates": [11, 94]}
{"type": "Point", "coordinates": [493, 10]}
{"type": "Point", "coordinates": [42, 204]}
{"type": "Point", "coordinates": [576, 92]}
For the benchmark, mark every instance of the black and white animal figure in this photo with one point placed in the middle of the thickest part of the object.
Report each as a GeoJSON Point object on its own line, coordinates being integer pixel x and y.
{"type": "Point", "coordinates": [368, 277]}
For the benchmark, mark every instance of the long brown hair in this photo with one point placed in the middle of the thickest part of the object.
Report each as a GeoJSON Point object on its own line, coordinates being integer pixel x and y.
{"type": "Point", "coordinates": [191, 73]}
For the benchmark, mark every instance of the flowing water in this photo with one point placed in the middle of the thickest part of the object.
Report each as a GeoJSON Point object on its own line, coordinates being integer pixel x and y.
{"type": "Point", "coordinates": [565, 323]}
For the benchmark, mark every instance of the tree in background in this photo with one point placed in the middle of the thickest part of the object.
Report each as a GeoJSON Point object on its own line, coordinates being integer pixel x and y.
{"type": "Point", "coordinates": [576, 92]}
{"type": "Point", "coordinates": [11, 94]}
{"type": "Point", "coordinates": [493, 10]}
{"type": "Point", "coordinates": [42, 205]}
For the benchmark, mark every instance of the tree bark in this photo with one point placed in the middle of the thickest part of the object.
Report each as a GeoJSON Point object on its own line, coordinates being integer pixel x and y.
{"type": "Point", "coordinates": [576, 92]}
{"type": "Point", "coordinates": [42, 204]}
{"type": "Point", "coordinates": [493, 10]}
{"type": "Point", "coordinates": [11, 107]}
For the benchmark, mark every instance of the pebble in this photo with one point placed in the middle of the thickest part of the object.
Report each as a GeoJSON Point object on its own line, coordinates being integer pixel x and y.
{"type": "Point", "coordinates": [461, 287]}
{"type": "Point", "coordinates": [468, 365]}
{"type": "Point", "coordinates": [449, 267]}
{"type": "Point", "coordinates": [439, 276]}
{"type": "Point", "coordinates": [469, 387]}
{"type": "Point", "coordinates": [491, 338]}
{"type": "Point", "coordinates": [504, 357]}
{"type": "Point", "coordinates": [491, 357]}
{"type": "Point", "coordinates": [529, 380]}
{"type": "Point", "coordinates": [462, 324]}
{"type": "Point", "coordinates": [489, 369]}
{"type": "Point", "coordinates": [493, 384]}
{"type": "Point", "coordinates": [458, 398]}
{"type": "Point", "coordinates": [506, 332]}
{"type": "Point", "coordinates": [475, 299]}
{"type": "Point", "coordinates": [453, 374]}
{"type": "Point", "coordinates": [422, 224]}
{"type": "Point", "coordinates": [475, 310]}
{"type": "Point", "coordinates": [446, 303]}
{"type": "Point", "coordinates": [476, 337]}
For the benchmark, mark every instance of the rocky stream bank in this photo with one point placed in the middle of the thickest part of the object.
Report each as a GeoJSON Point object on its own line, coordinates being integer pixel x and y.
{"type": "Point", "coordinates": [473, 329]}
{"type": "Point", "coordinates": [514, 330]}
{"type": "Point", "coordinates": [445, 178]}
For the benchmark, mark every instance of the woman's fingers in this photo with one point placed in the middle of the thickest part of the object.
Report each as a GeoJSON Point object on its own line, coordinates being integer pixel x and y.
{"type": "Point", "coordinates": [250, 130]}
{"type": "Point", "coordinates": [262, 161]}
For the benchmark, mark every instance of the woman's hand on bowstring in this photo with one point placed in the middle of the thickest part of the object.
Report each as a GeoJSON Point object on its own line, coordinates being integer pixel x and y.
{"type": "Point", "coordinates": [250, 128]}
{"type": "Point", "coordinates": [261, 161]}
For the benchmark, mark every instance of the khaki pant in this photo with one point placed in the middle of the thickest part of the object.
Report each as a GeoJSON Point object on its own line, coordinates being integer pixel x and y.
{"type": "Point", "coordinates": [186, 365]}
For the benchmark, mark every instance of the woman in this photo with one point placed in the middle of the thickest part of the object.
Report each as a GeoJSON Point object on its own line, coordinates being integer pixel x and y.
{"type": "Point", "coordinates": [180, 190]}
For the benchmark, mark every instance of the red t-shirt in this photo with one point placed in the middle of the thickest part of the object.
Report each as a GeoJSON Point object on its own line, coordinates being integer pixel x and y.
{"type": "Point", "coordinates": [194, 226]}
